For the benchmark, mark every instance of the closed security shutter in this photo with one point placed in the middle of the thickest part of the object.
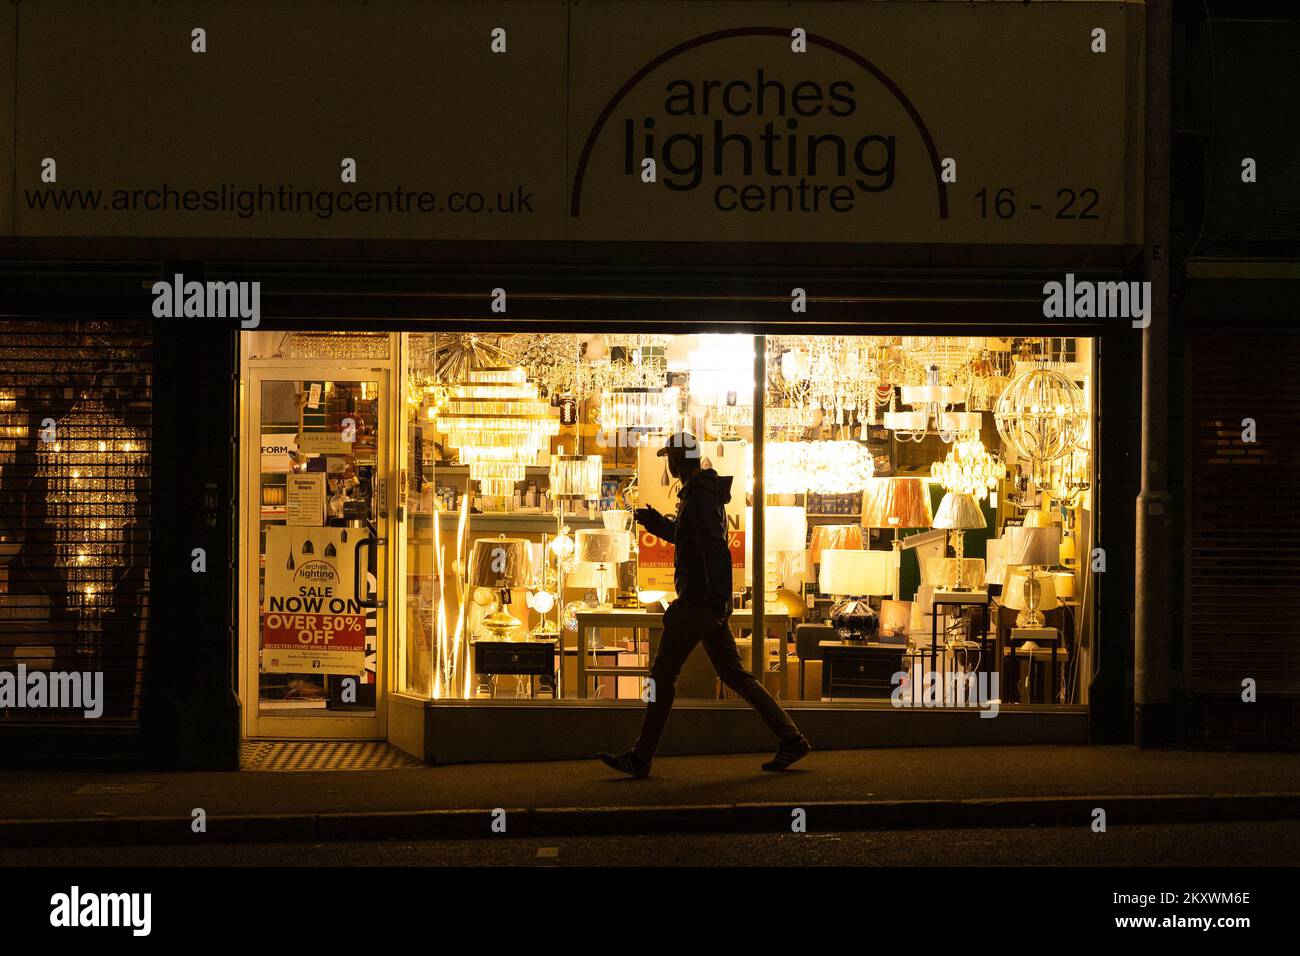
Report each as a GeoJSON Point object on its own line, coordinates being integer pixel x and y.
{"type": "Point", "coordinates": [1243, 511]}
{"type": "Point", "coordinates": [75, 453]}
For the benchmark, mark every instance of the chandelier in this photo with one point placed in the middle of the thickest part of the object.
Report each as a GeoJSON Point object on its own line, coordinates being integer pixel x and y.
{"type": "Point", "coordinates": [931, 411]}
{"type": "Point", "coordinates": [951, 354]}
{"type": "Point", "coordinates": [969, 470]}
{"type": "Point", "coordinates": [499, 424]}
{"type": "Point", "coordinates": [836, 374]}
{"type": "Point", "coordinates": [1041, 415]}
{"type": "Point", "coordinates": [638, 410]}
{"type": "Point", "coordinates": [91, 470]}
{"type": "Point", "coordinates": [820, 467]}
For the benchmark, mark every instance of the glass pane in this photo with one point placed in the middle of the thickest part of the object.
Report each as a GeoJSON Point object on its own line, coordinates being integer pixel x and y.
{"type": "Point", "coordinates": [318, 500]}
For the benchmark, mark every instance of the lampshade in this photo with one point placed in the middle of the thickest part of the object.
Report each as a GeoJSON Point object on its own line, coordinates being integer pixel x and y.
{"type": "Point", "coordinates": [896, 503]}
{"type": "Point", "coordinates": [959, 512]}
{"type": "Point", "coordinates": [996, 568]}
{"type": "Point", "coordinates": [856, 572]}
{"type": "Point", "coordinates": [841, 537]}
{"type": "Point", "coordinates": [603, 546]}
{"type": "Point", "coordinates": [942, 572]}
{"type": "Point", "coordinates": [1037, 546]}
{"type": "Point", "coordinates": [1013, 595]}
{"type": "Point", "coordinates": [616, 519]}
{"type": "Point", "coordinates": [575, 477]}
{"type": "Point", "coordinates": [500, 563]}
{"type": "Point", "coordinates": [895, 615]}
{"type": "Point", "coordinates": [785, 527]}
{"type": "Point", "coordinates": [1064, 584]}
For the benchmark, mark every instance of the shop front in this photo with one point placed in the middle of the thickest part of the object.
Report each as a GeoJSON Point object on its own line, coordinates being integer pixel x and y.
{"type": "Point", "coordinates": [438, 545]}
{"type": "Point", "coordinates": [474, 295]}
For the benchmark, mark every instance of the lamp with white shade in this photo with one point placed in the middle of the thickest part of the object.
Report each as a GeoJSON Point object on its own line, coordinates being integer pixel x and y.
{"type": "Point", "coordinates": [958, 513]}
{"type": "Point", "coordinates": [851, 576]}
{"type": "Point", "coordinates": [785, 530]}
{"type": "Point", "coordinates": [1033, 549]}
{"type": "Point", "coordinates": [601, 547]}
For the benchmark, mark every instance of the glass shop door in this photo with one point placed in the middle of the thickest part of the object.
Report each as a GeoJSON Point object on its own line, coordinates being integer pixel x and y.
{"type": "Point", "coordinates": [317, 526]}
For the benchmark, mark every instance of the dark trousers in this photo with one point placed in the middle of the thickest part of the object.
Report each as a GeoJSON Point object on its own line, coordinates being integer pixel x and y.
{"type": "Point", "coordinates": [686, 625]}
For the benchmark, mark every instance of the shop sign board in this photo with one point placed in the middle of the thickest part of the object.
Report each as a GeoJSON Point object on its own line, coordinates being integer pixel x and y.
{"type": "Point", "coordinates": [906, 122]}
{"type": "Point", "coordinates": [311, 619]}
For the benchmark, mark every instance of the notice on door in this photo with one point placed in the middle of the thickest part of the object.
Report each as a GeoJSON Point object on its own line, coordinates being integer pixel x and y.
{"type": "Point", "coordinates": [311, 620]}
{"type": "Point", "coordinates": [305, 499]}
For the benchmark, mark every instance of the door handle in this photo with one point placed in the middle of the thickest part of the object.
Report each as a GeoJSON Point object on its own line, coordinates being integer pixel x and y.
{"type": "Point", "coordinates": [367, 542]}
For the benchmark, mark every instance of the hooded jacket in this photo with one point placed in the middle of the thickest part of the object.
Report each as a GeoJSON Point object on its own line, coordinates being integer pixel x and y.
{"type": "Point", "coordinates": [702, 560]}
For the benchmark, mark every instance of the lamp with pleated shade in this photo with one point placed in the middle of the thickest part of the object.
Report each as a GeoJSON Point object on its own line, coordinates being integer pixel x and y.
{"type": "Point", "coordinates": [957, 513]}
{"type": "Point", "coordinates": [896, 503]}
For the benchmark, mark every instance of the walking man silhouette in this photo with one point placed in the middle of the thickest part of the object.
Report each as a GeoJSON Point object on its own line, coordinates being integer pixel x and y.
{"type": "Point", "coordinates": [702, 578]}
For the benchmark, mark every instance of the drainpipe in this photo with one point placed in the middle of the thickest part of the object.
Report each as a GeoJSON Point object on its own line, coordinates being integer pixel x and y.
{"type": "Point", "coordinates": [758, 594]}
{"type": "Point", "coordinates": [1152, 617]}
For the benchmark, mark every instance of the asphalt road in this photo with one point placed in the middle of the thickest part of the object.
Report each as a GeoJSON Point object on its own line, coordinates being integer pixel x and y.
{"type": "Point", "coordinates": [1207, 845]}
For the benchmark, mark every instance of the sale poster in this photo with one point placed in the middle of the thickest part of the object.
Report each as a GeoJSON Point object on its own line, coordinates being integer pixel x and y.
{"type": "Point", "coordinates": [311, 619]}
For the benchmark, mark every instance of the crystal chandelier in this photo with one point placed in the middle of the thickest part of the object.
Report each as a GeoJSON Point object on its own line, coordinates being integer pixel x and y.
{"type": "Point", "coordinates": [820, 467]}
{"type": "Point", "coordinates": [969, 470]}
{"type": "Point", "coordinates": [931, 411]}
{"type": "Point", "coordinates": [499, 425]}
{"type": "Point", "coordinates": [835, 374]}
{"type": "Point", "coordinates": [91, 470]}
{"type": "Point", "coordinates": [951, 354]}
{"type": "Point", "coordinates": [638, 410]}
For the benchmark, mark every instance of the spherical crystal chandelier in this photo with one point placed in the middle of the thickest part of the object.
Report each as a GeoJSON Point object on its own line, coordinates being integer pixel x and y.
{"type": "Point", "coordinates": [499, 425]}
{"type": "Point", "coordinates": [90, 470]}
{"type": "Point", "coordinates": [969, 469]}
{"type": "Point", "coordinates": [1041, 415]}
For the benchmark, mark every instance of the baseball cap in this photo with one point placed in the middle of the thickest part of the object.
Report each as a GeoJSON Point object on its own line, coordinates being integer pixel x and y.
{"type": "Point", "coordinates": [685, 441]}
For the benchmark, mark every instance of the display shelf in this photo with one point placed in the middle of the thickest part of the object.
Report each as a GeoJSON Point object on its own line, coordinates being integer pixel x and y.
{"type": "Point", "coordinates": [505, 521]}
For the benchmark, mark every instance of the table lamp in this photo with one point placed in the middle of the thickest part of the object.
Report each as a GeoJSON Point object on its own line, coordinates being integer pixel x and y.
{"type": "Point", "coordinates": [958, 512]}
{"type": "Point", "coordinates": [1033, 548]}
{"type": "Point", "coordinates": [850, 576]}
{"type": "Point", "coordinates": [602, 547]}
{"type": "Point", "coordinates": [896, 503]}
{"type": "Point", "coordinates": [785, 529]}
{"type": "Point", "coordinates": [501, 563]}
{"type": "Point", "coordinates": [1030, 595]}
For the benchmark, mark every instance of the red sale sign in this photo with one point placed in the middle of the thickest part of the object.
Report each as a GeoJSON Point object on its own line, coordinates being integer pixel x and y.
{"type": "Point", "coordinates": [311, 620]}
{"type": "Point", "coordinates": [655, 559]}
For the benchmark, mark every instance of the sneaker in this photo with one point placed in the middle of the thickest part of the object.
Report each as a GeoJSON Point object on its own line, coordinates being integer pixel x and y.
{"type": "Point", "coordinates": [628, 763]}
{"type": "Point", "coordinates": [788, 753]}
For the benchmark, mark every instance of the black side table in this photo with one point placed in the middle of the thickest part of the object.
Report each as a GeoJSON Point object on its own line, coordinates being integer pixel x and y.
{"type": "Point", "coordinates": [858, 669]}
{"type": "Point", "coordinates": [531, 658]}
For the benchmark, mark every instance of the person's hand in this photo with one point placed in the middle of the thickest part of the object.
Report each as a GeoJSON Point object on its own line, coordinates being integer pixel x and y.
{"type": "Point", "coordinates": [642, 515]}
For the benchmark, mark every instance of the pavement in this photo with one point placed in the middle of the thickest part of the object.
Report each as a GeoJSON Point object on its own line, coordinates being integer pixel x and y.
{"type": "Point", "coordinates": [845, 790]}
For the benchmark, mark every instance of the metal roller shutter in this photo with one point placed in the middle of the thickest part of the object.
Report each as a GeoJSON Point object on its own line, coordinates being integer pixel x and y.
{"type": "Point", "coordinates": [1243, 511]}
{"type": "Point", "coordinates": [75, 512]}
